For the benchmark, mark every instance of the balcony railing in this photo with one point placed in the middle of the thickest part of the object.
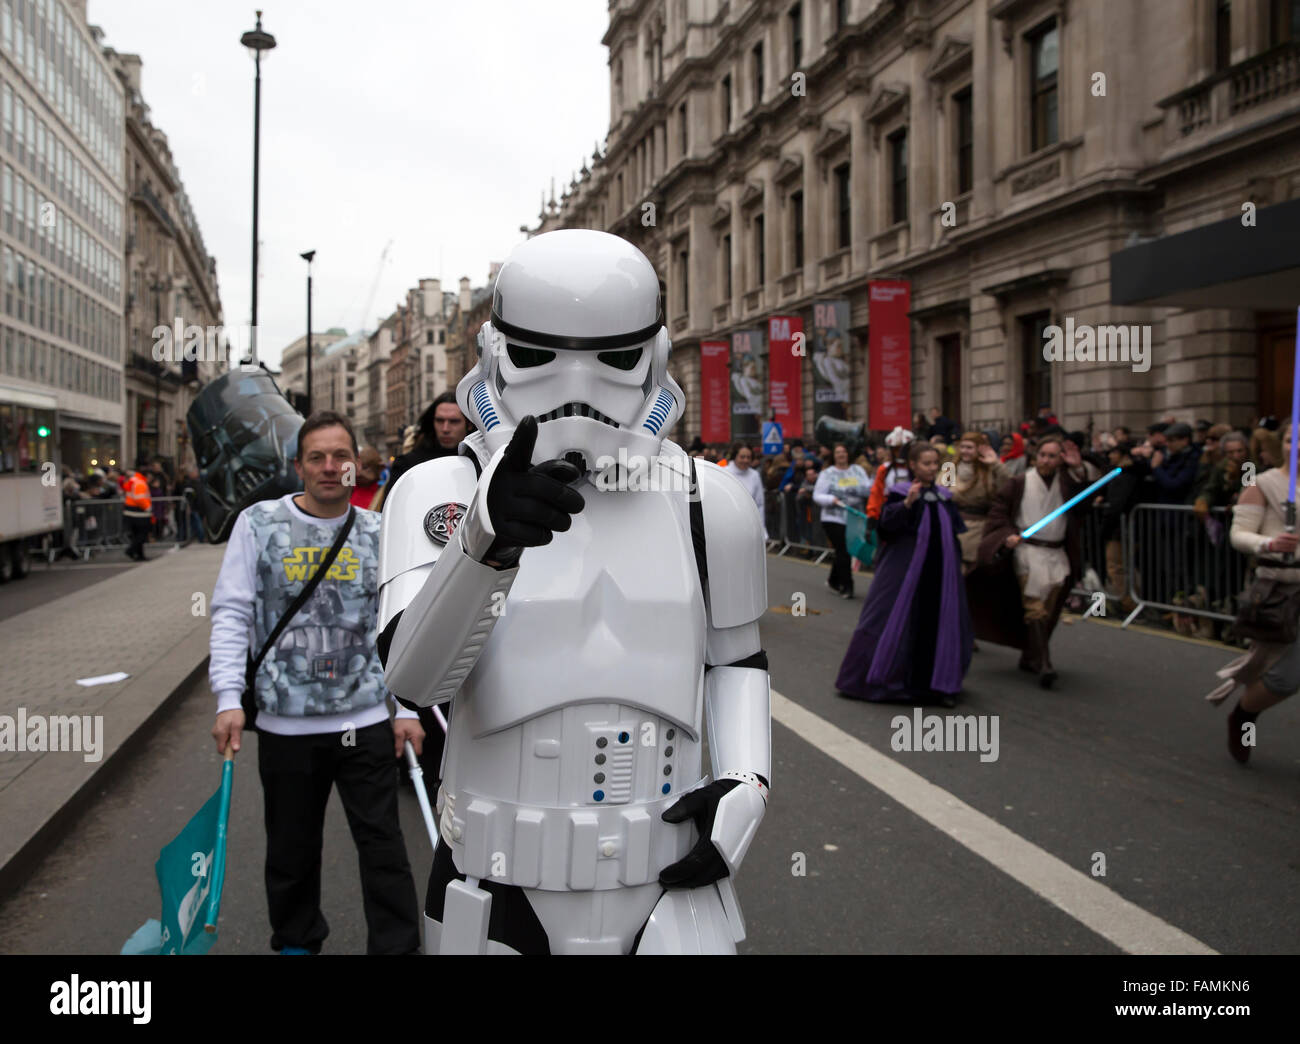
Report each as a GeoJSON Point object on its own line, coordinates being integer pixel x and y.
{"type": "Point", "coordinates": [1270, 75]}
{"type": "Point", "coordinates": [1246, 85]}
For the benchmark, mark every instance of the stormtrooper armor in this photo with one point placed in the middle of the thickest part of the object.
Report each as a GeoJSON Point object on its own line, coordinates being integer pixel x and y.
{"type": "Point", "coordinates": [587, 597]}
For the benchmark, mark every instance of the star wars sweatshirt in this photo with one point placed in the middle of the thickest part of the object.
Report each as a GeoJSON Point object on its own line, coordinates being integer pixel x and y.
{"type": "Point", "coordinates": [324, 673]}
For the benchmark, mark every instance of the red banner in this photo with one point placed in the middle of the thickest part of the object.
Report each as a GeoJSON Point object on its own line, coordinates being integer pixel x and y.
{"type": "Point", "coordinates": [889, 348]}
{"type": "Point", "coordinates": [715, 391]}
{"type": "Point", "coordinates": [785, 372]}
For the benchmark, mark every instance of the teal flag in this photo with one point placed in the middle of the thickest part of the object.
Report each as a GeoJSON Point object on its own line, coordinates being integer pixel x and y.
{"type": "Point", "coordinates": [191, 871]}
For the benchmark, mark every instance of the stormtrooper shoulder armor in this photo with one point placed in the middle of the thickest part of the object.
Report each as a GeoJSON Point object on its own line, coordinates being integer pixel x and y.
{"type": "Point", "coordinates": [419, 513]}
{"type": "Point", "coordinates": [735, 552]}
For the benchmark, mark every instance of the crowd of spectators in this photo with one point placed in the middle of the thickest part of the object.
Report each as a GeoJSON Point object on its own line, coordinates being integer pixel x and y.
{"type": "Point", "coordinates": [1197, 464]}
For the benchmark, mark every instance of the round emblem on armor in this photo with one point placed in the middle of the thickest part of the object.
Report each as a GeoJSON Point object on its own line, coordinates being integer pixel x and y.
{"type": "Point", "coordinates": [441, 521]}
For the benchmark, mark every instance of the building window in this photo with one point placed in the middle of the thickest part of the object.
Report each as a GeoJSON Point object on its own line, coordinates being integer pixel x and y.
{"type": "Point", "coordinates": [760, 252]}
{"type": "Point", "coordinates": [898, 176]}
{"type": "Point", "coordinates": [726, 260]}
{"type": "Point", "coordinates": [1284, 22]}
{"type": "Point", "coordinates": [618, 84]}
{"type": "Point", "coordinates": [726, 104]}
{"type": "Point", "coordinates": [1036, 373]}
{"type": "Point", "coordinates": [950, 375]}
{"type": "Point", "coordinates": [682, 140]}
{"type": "Point", "coordinates": [683, 260]}
{"type": "Point", "coordinates": [1044, 61]}
{"type": "Point", "coordinates": [1222, 35]}
{"type": "Point", "coordinates": [758, 73]}
{"type": "Point", "coordinates": [796, 227]}
{"type": "Point", "coordinates": [796, 36]}
{"type": "Point", "coordinates": [841, 14]}
{"type": "Point", "coordinates": [843, 208]}
{"type": "Point", "coordinates": [428, 337]}
{"type": "Point", "coordinates": [965, 126]}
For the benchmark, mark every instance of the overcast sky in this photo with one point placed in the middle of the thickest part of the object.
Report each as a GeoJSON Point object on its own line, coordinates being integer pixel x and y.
{"type": "Point", "coordinates": [432, 123]}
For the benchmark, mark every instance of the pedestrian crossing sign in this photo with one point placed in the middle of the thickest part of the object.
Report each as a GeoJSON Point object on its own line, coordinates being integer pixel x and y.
{"type": "Point", "coordinates": [773, 443]}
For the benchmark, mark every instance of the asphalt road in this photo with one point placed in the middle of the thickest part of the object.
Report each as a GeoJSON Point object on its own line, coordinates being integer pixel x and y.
{"type": "Point", "coordinates": [1124, 758]}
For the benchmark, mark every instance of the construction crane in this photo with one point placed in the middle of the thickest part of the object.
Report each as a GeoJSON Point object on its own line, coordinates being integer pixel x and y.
{"type": "Point", "coordinates": [374, 289]}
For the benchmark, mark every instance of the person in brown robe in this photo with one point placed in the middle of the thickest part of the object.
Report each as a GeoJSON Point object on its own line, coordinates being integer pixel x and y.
{"type": "Point", "coordinates": [1015, 598]}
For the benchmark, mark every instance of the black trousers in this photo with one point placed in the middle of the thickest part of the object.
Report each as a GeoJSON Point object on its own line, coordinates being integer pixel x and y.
{"type": "Point", "coordinates": [139, 530]}
{"type": "Point", "coordinates": [297, 775]}
{"type": "Point", "coordinates": [841, 566]}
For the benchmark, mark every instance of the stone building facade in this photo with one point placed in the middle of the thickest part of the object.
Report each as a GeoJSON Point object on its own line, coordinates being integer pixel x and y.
{"type": "Point", "coordinates": [171, 281]}
{"type": "Point", "coordinates": [293, 363]}
{"type": "Point", "coordinates": [995, 154]}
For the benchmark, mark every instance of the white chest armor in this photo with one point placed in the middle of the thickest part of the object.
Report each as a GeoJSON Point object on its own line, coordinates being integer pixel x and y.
{"type": "Point", "coordinates": [565, 752]}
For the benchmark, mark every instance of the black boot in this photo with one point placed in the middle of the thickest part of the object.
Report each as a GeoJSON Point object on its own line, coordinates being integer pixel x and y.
{"type": "Point", "coordinates": [1047, 675]}
{"type": "Point", "coordinates": [1031, 657]}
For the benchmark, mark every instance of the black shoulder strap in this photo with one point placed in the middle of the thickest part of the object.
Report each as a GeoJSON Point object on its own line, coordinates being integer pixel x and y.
{"type": "Point", "coordinates": [697, 528]}
{"type": "Point", "coordinates": [304, 594]}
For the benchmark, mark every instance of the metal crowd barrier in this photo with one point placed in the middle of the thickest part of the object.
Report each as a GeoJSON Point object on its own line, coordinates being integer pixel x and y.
{"type": "Point", "coordinates": [93, 526]}
{"type": "Point", "coordinates": [1171, 561]}
{"type": "Point", "coordinates": [1177, 563]}
{"type": "Point", "coordinates": [791, 508]}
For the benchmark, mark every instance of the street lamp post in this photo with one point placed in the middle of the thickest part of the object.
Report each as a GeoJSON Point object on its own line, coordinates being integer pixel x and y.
{"type": "Point", "coordinates": [158, 286]}
{"type": "Point", "coordinates": [307, 256]}
{"type": "Point", "coordinates": [257, 41]}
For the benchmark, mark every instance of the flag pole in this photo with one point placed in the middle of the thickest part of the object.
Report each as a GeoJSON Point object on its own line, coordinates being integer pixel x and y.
{"type": "Point", "coordinates": [219, 851]}
{"type": "Point", "coordinates": [1295, 437]}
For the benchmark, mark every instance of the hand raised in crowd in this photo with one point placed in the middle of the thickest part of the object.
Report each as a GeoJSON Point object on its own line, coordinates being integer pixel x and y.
{"type": "Point", "coordinates": [987, 455]}
{"type": "Point", "coordinates": [913, 493]}
{"type": "Point", "coordinates": [1011, 541]}
{"type": "Point", "coordinates": [1070, 454]}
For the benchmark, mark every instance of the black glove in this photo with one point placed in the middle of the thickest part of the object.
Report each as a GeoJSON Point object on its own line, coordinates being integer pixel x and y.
{"type": "Point", "coordinates": [703, 864]}
{"type": "Point", "coordinates": [528, 505]}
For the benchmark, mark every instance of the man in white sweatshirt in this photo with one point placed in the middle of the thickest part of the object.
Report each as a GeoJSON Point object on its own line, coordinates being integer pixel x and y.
{"type": "Point", "coordinates": [322, 703]}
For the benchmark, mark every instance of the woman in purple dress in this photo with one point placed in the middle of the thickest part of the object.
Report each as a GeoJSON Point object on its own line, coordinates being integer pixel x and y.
{"type": "Point", "coordinates": [913, 639]}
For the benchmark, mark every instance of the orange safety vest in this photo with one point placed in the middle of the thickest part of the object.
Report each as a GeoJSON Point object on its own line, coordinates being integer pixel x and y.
{"type": "Point", "coordinates": [138, 498]}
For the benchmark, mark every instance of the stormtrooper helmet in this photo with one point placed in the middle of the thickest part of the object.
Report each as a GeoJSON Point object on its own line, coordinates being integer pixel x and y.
{"type": "Point", "coordinates": [577, 339]}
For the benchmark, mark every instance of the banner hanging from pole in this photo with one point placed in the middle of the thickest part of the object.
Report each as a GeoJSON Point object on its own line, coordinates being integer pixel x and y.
{"type": "Point", "coordinates": [748, 384]}
{"type": "Point", "coordinates": [715, 391]}
{"type": "Point", "coordinates": [889, 351]}
{"type": "Point", "coordinates": [831, 359]}
{"type": "Point", "coordinates": [785, 372]}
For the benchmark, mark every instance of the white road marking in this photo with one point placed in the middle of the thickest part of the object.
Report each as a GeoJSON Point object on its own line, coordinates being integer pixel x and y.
{"type": "Point", "coordinates": [1089, 902]}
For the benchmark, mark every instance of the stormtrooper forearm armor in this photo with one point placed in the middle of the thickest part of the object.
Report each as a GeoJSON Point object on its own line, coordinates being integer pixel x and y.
{"type": "Point", "coordinates": [738, 707]}
{"type": "Point", "coordinates": [737, 697]}
{"type": "Point", "coordinates": [445, 625]}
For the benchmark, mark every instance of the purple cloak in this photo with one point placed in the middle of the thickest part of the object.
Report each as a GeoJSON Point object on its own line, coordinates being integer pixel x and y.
{"type": "Point", "coordinates": [913, 639]}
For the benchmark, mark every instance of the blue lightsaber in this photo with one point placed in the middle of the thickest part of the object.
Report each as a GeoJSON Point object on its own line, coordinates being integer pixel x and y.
{"type": "Point", "coordinates": [1070, 503]}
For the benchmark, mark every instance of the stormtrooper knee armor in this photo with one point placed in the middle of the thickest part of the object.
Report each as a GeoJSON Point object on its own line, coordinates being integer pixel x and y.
{"type": "Point", "coordinates": [588, 598]}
